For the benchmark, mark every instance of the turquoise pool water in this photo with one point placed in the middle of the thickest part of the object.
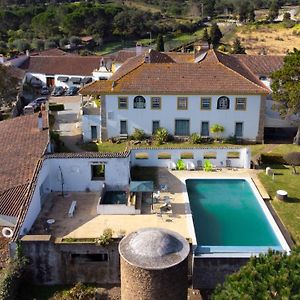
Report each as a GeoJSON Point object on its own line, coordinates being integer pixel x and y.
{"type": "Point", "coordinates": [114, 197]}
{"type": "Point", "coordinates": [226, 212]}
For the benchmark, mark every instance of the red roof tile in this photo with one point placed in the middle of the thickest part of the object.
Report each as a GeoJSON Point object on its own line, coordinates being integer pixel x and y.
{"type": "Point", "coordinates": [261, 65]}
{"type": "Point", "coordinates": [216, 73]}
{"type": "Point", "coordinates": [65, 65]}
{"type": "Point", "coordinates": [21, 147]}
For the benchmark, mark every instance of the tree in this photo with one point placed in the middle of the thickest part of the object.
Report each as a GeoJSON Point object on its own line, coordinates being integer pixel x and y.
{"type": "Point", "coordinates": [8, 87]}
{"type": "Point", "coordinates": [286, 89]}
{"type": "Point", "coordinates": [217, 129]}
{"type": "Point", "coordinates": [206, 37]}
{"type": "Point", "coordinates": [215, 34]}
{"type": "Point", "coordinates": [38, 44]}
{"type": "Point", "coordinates": [160, 45]}
{"type": "Point", "coordinates": [274, 275]}
{"type": "Point", "coordinates": [251, 14]}
{"type": "Point", "coordinates": [237, 48]}
{"type": "Point", "coordinates": [243, 11]}
{"type": "Point", "coordinates": [50, 44]}
{"type": "Point", "coordinates": [286, 16]}
{"type": "Point", "coordinates": [273, 10]}
{"type": "Point", "coordinates": [75, 40]}
{"type": "Point", "coordinates": [293, 159]}
{"type": "Point", "coordinates": [21, 45]}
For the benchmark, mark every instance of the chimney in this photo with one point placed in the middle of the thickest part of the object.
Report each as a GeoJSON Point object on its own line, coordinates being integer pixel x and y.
{"type": "Point", "coordinates": [2, 59]}
{"type": "Point", "coordinates": [138, 49]}
{"type": "Point", "coordinates": [40, 121]}
{"type": "Point", "coordinates": [27, 52]}
{"type": "Point", "coordinates": [147, 58]}
{"type": "Point", "coordinates": [102, 64]}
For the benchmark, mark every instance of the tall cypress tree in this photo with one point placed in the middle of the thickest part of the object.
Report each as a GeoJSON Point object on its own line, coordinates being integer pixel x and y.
{"type": "Point", "coordinates": [215, 34]}
{"type": "Point", "coordinates": [160, 44]}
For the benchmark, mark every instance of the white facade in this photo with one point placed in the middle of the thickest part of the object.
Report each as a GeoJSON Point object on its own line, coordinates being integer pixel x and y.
{"type": "Point", "coordinates": [143, 118]}
{"type": "Point", "coordinates": [87, 131]}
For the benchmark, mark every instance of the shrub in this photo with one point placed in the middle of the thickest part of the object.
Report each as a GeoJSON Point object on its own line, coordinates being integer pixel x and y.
{"type": "Point", "coordinates": [293, 159]}
{"type": "Point", "coordinates": [138, 134]}
{"type": "Point", "coordinates": [56, 106]}
{"type": "Point", "coordinates": [161, 135]}
{"type": "Point", "coordinates": [195, 138]}
{"type": "Point", "coordinates": [180, 165]}
{"type": "Point", "coordinates": [10, 278]}
{"type": "Point", "coordinates": [217, 129]}
{"type": "Point", "coordinates": [271, 158]}
{"type": "Point", "coordinates": [274, 275]}
{"type": "Point", "coordinates": [79, 291]}
{"type": "Point", "coordinates": [208, 167]}
{"type": "Point", "coordinates": [106, 238]}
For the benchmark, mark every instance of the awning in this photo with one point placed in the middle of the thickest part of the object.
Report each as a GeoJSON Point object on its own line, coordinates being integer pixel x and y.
{"type": "Point", "coordinates": [141, 186]}
{"type": "Point", "coordinates": [86, 80]}
{"type": "Point", "coordinates": [62, 78]}
{"type": "Point", "coordinates": [75, 80]}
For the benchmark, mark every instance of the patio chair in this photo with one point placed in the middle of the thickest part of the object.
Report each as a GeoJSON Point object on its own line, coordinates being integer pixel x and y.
{"type": "Point", "coordinates": [190, 166]}
{"type": "Point", "coordinates": [171, 165]}
{"type": "Point", "coordinates": [199, 165]}
{"type": "Point", "coordinates": [228, 164]}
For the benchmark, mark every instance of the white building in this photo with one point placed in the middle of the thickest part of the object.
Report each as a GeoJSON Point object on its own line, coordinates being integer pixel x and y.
{"type": "Point", "coordinates": [55, 67]}
{"type": "Point", "coordinates": [184, 96]}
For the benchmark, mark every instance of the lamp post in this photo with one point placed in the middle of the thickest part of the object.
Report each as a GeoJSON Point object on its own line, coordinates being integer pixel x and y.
{"type": "Point", "coordinates": [150, 34]}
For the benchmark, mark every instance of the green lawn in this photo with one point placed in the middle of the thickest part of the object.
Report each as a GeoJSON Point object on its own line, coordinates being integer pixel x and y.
{"type": "Point", "coordinates": [104, 147]}
{"type": "Point", "coordinates": [289, 212]}
{"type": "Point", "coordinates": [286, 148]}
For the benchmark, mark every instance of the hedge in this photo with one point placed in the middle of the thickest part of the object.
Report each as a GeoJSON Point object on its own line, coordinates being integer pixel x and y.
{"type": "Point", "coordinates": [271, 158]}
{"type": "Point", "coordinates": [56, 106]}
{"type": "Point", "coordinates": [10, 278]}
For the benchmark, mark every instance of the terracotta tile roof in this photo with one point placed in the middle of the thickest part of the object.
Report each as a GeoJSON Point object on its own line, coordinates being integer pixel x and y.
{"type": "Point", "coordinates": [179, 57]}
{"type": "Point", "coordinates": [66, 65]}
{"type": "Point", "coordinates": [157, 57]}
{"type": "Point", "coordinates": [52, 52]}
{"type": "Point", "coordinates": [261, 64]}
{"type": "Point", "coordinates": [15, 72]}
{"type": "Point", "coordinates": [216, 73]}
{"type": "Point", "coordinates": [21, 147]}
{"type": "Point", "coordinates": [12, 200]}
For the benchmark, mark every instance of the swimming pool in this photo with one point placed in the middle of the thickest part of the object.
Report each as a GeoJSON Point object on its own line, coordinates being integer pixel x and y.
{"type": "Point", "coordinates": [229, 216]}
{"type": "Point", "coordinates": [114, 197]}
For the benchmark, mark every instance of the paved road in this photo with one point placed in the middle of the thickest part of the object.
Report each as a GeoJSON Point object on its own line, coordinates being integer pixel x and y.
{"type": "Point", "coordinates": [68, 122]}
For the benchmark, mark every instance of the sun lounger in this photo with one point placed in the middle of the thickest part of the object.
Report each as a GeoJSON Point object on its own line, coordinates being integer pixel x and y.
{"type": "Point", "coordinates": [171, 165]}
{"type": "Point", "coordinates": [190, 166]}
{"type": "Point", "coordinates": [199, 165]}
{"type": "Point", "coordinates": [228, 164]}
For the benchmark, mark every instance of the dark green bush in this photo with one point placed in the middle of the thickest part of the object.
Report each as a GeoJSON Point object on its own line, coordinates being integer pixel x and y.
{"type": "Point", "coordinates": [274, 275]}
{"type": "Point", "coordinates": [271, 158]}
{"type": "Point", "coordinates": [138, 134]}
{"type": "Point", "coordinates": [56, 106]}
{"type": "Point", "coordinates": [10, 278]}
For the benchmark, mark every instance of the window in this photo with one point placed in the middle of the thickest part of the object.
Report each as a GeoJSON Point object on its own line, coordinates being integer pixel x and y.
{"type": "Point", "coordinates": [182, 127]}
{"type": "Point", "coordinates": [240, 103]}
{"type": "Point", "coordinates": [155, 126]}
{"type": "Point", "coordinates": [123, 103]}
{"type": "Point", "coordinates": [206, 103]}
{"type": "Point", "coordinates": [223, 103]}
{"type": "Point", "coordinates": [98, 172]}
{"type": "Point", "coordinates": [155, 103]}
{"type": "Point", "coordinates": [204, 129]}
{"type": "Point", "coordinates": [182, 103]}
{"type": "Point", "coordinates": [238, 129]}
{"type": "Point", "coordinates": [123, 127]}
{"type": "Point", "coordinates": [101, 257]}
{"type": "Point", "coordinates": [139, 102]}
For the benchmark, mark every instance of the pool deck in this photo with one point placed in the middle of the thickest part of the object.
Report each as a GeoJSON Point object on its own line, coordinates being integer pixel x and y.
{"type": "Point", "coordinates": [87, 224]}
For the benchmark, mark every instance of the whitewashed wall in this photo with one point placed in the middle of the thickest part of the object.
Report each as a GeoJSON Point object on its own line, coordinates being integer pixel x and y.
{"type": "Point", "coordinates": [221, 156]}
{"type": "Point", "coordinates": [87, 122]}
{"type": "Point", "coordinates": [35, 204]}
{"type": "Point", "coordinates": [142, 118]}
{"type": "Point", "coordinates": [77, 173]}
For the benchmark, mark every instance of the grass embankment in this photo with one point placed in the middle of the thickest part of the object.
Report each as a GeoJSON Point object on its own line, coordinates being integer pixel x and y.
{"type": "Point", "coordinates": [284, 179]}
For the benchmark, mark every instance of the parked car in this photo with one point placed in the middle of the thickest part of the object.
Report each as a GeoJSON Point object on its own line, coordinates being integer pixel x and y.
{"type": "Point", "coordinates": [72, 90]}
{"type": "Point", "coordinates": [44, 90]}
{"type": "Point", "coordinates": [37, 102]}
{"type": "Point", "coordinates": [58, 91]}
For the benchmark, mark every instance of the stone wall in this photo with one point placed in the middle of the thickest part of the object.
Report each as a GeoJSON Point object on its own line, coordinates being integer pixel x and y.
{"type": "Point", "coordinates": [208, 272]}
{"type": "Point", "coordinates": [66, 263]}
{"type": "Point", "coordinates": [138, 283]}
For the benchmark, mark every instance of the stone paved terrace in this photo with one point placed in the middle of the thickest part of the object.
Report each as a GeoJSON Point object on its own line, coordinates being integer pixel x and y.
{"type": "Point", "coordinates": [87, 224]}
